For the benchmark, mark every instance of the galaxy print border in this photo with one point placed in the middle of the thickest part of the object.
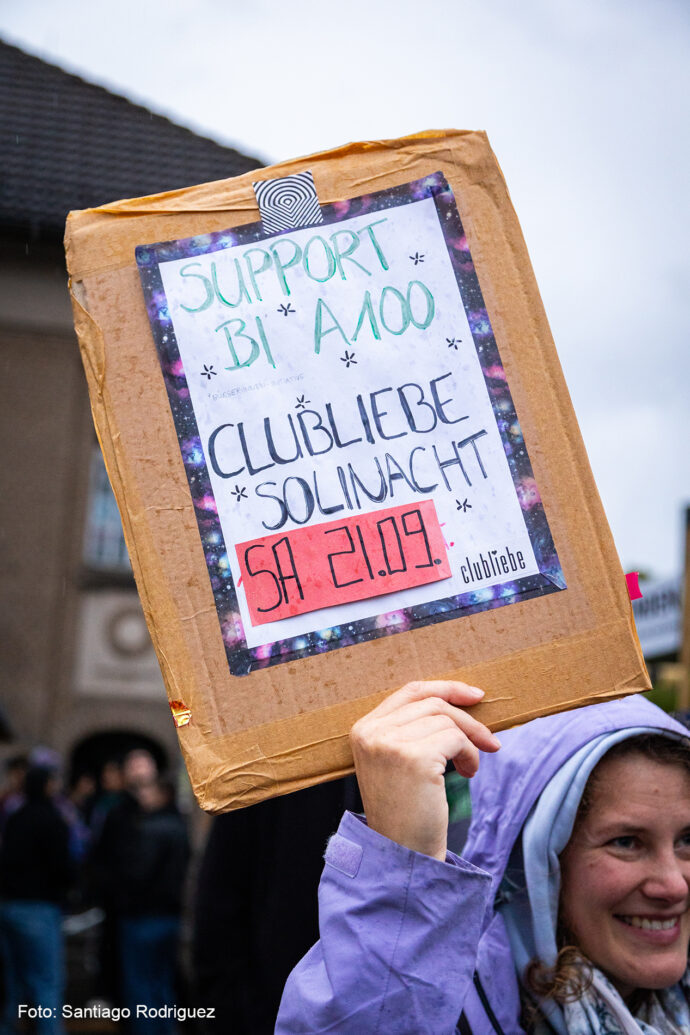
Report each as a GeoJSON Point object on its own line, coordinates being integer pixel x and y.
{"type": "Point", "coordinates": [242, 660]}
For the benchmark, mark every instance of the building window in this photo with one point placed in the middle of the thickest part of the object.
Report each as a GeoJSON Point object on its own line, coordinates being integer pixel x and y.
{"type": "Point", "coordinates": [104, 541]}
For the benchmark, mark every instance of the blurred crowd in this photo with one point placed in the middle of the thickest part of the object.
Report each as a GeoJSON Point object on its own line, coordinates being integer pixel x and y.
{"type": "Point", "coordinates": [110, 853]}
{"type": "Point", "coordinates": [114, 844]}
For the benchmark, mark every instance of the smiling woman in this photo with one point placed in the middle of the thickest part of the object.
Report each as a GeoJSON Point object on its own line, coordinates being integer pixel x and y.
{"type": "Point", "coordinates": [569, 911]}
{"type": "Point", "coordinates": [625, 878]}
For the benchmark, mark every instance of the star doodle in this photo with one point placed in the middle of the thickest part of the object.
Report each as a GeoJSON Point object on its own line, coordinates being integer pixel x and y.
{"type": "Point", "coordinates": [453, 343]}
{"type": "Point", "coordinates": [286, 309]}
{"type": "Point", "coordinates": [209, 372]}
{"type": "Point", "coordinates": [348, 358]}
{"type": "Point", "coordinates": [239, 493]}
{"type": "Point", "coordinates": [417, 258]}
{"type": "Point", "coordinates": [464, 506]}
{"type": "Point", "coordinates": [301, 403]}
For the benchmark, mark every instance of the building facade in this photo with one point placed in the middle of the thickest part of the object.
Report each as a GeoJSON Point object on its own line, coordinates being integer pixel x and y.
{"type": "Point", "coordinates": [78, 671]}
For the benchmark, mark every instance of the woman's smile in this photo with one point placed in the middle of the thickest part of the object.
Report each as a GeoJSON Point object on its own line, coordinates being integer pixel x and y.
{"type": "Point", "coordinates": [654, 930]}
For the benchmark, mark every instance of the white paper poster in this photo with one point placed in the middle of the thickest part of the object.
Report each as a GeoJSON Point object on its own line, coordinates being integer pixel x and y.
{"type": "Point", "coordinates": [352, 448]}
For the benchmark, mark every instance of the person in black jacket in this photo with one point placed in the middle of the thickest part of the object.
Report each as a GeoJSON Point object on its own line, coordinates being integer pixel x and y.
{"type": "Point", "coordinates": [139, 863]}
{"type": "Point", "coordinates": [256, 909]}
{"type": "Point", "coordinates": [35, 875]}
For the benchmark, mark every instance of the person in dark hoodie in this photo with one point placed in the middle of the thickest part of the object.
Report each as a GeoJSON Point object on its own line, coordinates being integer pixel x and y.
{"type": "Point", "coordinates": [569, 911]}
{"type": "Point", "coordinates": [139, 866]}
{"type": "Point", "coordinates": [35, 875]}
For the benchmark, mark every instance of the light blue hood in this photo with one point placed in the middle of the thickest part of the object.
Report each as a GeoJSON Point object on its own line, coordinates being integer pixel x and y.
{"type": "Point", "coordinates": [509, 782]}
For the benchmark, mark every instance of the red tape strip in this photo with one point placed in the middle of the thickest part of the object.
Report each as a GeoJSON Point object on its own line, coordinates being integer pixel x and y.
{"type": "Point", "coordinates": [634, 591]}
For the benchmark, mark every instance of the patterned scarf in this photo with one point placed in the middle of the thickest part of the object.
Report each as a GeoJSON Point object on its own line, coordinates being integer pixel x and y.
{"type": "Point", "coordinates": [601, 1011]}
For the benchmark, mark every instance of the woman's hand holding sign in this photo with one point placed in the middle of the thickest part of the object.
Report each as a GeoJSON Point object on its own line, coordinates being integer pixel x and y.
{"type": "Point", "coordinates": [401, 750]}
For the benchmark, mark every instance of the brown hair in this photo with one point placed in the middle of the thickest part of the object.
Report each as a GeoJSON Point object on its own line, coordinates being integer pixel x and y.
{"type": "Point", "coordinates": [571, 976]}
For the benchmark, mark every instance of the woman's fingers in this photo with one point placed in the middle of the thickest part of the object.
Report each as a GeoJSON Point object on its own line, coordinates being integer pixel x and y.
{"type": "Point", "coordinates": [450, 690]}
{"type": "Point", "coordinates": [408, 714]}
{"type": "Point", "coordinates": [436, 739]}
{"type": "Point", "coordinates": [466, 761]}
{"type": "Point", "coordinates": [402, 721]}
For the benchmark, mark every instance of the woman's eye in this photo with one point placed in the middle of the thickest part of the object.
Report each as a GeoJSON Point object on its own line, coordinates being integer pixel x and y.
{"type": "Point", "coordinates": [625, 841]}
{"type": "Point", "coordinates": [684, 841]}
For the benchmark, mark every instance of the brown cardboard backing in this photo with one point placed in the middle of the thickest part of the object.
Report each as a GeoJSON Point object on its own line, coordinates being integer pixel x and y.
{"type": "Point", "coordinates": [285, 727]}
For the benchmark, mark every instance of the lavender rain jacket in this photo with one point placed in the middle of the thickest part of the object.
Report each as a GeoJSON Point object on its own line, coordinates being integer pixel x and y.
{"type": "Point", "coordinates": [409, 943]}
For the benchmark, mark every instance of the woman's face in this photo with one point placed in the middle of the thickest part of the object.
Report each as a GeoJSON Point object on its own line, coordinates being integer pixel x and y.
{"type": "Point", "coordinates": [626, 874]}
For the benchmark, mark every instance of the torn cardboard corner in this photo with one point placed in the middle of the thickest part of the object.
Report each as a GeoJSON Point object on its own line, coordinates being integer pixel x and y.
{"type": "Point", "coordinates": [344, 455]}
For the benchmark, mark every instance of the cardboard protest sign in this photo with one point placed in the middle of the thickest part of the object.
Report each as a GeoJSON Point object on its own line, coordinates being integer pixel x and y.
{"type": "Point", "coordinates": [344, 452]}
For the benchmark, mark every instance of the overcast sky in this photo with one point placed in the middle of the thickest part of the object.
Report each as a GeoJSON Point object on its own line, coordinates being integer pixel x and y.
{"type": "Point", "coordinates": [586, 107]}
